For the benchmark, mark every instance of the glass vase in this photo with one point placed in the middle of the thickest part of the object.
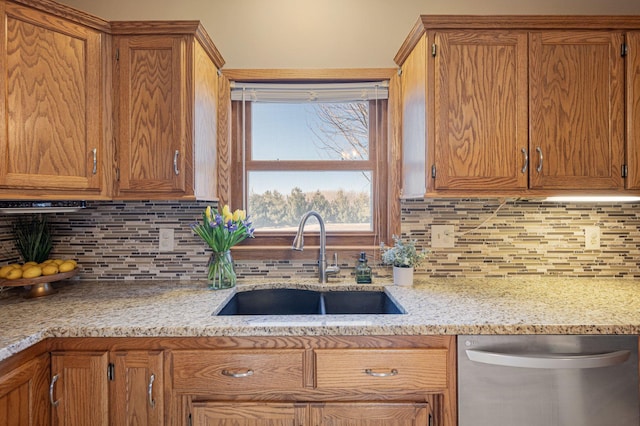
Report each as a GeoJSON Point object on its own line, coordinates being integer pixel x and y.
{"type": "Point", "coordinates": [221, 273]}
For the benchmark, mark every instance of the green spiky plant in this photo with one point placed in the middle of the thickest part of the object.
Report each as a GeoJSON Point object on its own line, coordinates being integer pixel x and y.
{"type": "Point", "coordinates": [33, 238]}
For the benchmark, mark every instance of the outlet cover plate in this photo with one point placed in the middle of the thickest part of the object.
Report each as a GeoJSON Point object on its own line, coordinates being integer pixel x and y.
{"type": "Point", "coordinates": [591, 238]}
{"type": "Point", "coordinates": [166, 240]}
{"type": "Point", "coordinates": [442, 236]}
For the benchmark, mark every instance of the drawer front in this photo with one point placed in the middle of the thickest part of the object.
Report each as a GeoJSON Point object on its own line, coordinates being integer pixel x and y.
{"type": "Point", "coordinates": [381, 369]}
{"type": "Point", "coordinates": [237, 370]}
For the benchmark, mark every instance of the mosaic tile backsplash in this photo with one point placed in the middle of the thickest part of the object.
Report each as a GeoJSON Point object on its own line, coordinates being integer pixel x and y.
{"type": "Point", "coordinates": [496, 238]}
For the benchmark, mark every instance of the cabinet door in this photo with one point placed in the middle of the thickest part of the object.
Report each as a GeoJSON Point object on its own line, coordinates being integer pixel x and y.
{"type": "Point", "coordinates": [137, 388]}
{"type": "Point", "coordinates": [370, 414]}
{"type": "Point", "coordinates": [23, 394]}
{"type": "Point", "coordinates": [152, 114]}
{"type": "Point", "coordinates": [248, 414]}
{"type": "Point", "coordinates": [481, 110]}
{"type": "Point", "coordinates": [80, 388]}
{"type": "Point", "coordinates": [50, 134]}
{"type": "Point", "coordinates": [633, 110]}
{"type": "Point", "coordinates": [576, 110]}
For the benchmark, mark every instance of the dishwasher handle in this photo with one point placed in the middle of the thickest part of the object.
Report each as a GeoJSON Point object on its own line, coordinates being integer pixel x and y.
{"type": "Point", "coordinates": [525, 360]}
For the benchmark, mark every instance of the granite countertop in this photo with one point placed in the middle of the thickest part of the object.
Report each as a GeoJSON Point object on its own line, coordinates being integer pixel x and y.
{"type": "Point", "coordinates": [433, 306]}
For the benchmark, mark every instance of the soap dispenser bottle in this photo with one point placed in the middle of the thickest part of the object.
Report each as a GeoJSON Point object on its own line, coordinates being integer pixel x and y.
{"type": "Point", "coordinates": [363, 270]}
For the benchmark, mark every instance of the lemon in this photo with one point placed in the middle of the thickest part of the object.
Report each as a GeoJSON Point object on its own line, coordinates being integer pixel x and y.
{"type": "Point", "coordinates": [28, 265]}
{"type": "Point", "coordinates": [72, 261]}
{"type": "Point", "coordinates": [58, 261]}
{"type": "Point", "coordinates": [66, 267]}
{"type": "Point", "coordinates": [4, 271]}
{"type": "Point", "coordinates": [32, 272]}
{"type": "Point", "coordinates": [50, 269]}
{"type": "Point", "coordinates": [14, 274]}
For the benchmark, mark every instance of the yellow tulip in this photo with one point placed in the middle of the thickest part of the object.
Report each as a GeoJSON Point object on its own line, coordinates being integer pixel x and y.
{"type": "Point", "coordinates": [226, 213]}
{"type": "Point", "coordinates": [208, 213]}
{"type": "Point", "coordinates": [239, 215]}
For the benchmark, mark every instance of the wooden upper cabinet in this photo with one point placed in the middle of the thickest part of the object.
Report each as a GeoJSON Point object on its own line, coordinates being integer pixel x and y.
{"type": "Point", "coordinates": [480, 88]}
{"type": "Point", "coordinates": [576, 109]}
{"type": "Point", "coordinates": [167, 88]}
{"type": "Point", "coordinates": [51, 135]}
{"type": "Point", "coordinates": [520, 105]}
{"type": "Point", "coordinates": [633, 109]}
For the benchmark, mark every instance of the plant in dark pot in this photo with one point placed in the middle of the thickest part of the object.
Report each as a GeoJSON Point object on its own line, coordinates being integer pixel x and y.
{"type": "Point", "coordinates": [33, 238]}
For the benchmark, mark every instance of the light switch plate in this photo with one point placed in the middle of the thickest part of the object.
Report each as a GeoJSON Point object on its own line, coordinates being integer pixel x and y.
{"type": "Point", "coordinates": [442, 236]}
{"type": "Point", "coordinates": [166, 240]}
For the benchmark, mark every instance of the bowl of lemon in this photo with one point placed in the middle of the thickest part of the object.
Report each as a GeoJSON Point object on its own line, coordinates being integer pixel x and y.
{"type": "Point", "coordinates": [37, 275]}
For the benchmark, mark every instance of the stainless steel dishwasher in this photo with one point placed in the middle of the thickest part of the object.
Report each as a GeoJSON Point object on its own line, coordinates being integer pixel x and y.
{"type": "Point", "coordinates": [542, 380]}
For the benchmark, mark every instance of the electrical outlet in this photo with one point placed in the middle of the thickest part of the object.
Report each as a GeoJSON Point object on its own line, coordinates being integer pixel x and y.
{"type": "Point", "coordinates": [591, 237]}
{"type": "Point", "coordinates": [442, 236]}
{"type": "Point", "coordinates": [165, 243]}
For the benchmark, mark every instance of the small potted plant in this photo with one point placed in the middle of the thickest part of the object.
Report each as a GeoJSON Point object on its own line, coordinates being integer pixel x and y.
{"type": "Point", "coordinates": [404, 257]}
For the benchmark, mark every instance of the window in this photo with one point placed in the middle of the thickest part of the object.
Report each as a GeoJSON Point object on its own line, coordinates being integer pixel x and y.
{"type": "Point", "coordinates": [300, 147]}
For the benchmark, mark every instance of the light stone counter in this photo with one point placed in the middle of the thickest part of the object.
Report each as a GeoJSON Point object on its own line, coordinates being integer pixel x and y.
{"type": "Point", "coordinates": [434, 306]}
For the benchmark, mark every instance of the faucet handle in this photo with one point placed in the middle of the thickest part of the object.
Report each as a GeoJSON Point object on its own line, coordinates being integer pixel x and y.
{"type": "Point", "coordinates": [333, 269]}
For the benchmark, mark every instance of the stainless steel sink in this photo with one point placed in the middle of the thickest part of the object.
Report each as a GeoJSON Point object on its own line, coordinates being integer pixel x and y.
{"type": "Point", "coordinates": [309, 302]}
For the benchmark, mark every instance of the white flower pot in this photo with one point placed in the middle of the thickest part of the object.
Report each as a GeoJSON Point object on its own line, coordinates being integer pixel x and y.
{"type": "Point", "coordinates": [402, 276]}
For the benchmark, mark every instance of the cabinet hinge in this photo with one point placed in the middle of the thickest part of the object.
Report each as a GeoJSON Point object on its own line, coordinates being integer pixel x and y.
{"type": "Point", "coordinates": [111, 372]}
{"type": "Point", "coordinates": [434, 49]}
{"type": "Point", "coordinates": [189, 420]}
{"type": "Point", "coordinates": [624, 49]}
{"type": "Point", "coordinates": [433, 171]}
{"type": "Point", "coordinates": [399, 72]}
{"type": "Point", "coordinates": [118, 54]}
{"type": "Point", "coordinates": [625, 171]}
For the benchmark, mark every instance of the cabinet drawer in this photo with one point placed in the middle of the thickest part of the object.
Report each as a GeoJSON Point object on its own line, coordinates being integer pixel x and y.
{"type": "Point", "coordinates": [237, 370]}
{"type": "Point", "coordinates": [381, 369]}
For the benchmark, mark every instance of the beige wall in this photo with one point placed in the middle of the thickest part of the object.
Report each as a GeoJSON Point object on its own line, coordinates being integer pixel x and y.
{"type": "Point", "coordinates": [325, 33]}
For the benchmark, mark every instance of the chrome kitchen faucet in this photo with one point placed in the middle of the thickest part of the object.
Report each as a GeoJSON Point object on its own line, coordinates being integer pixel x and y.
{"type": "Point", "coordinates": [298, 244]}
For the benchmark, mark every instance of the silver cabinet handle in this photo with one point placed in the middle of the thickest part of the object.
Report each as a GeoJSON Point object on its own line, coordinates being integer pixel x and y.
{"type": "Point", "coordinates": [54, 379]}
{"type": "Point", "coordinates": [175, 162]}
{"type": "Point", "coordinates": [525, 154]}
{"type": "Point", "coordinates": [95, 160]}
{"type": "Point", "coordinates": [539, 150]}
{"type": "Point", "coordinates": [548, 360]}
{"type": "Point", "coordinates": [372, 373]}
{"type": "Point", "coordinates": [237, 375]}
{"type": "Point", "coordinates": [152, 401]}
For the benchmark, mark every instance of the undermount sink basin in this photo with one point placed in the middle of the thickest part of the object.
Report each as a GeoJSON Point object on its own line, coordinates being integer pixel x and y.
{"type": "Point", "coordinates": [309, 302]}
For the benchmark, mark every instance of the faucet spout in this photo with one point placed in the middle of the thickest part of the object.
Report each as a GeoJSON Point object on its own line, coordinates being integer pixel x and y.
{"type": "Point", "coordinates": [298, 244]}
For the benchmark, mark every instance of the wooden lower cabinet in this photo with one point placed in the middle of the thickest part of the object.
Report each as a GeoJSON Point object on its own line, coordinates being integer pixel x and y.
{"type": "Point", "coordinates": [248, 414]}
{"type": "Point", "coordinates": [316, 381]}
{"type": "Point", "coordinates": [102, 388]}
{"type": "Point", "coordinates": [23, 394]}
{"type": "Point", "coordinates": [137, 391]}
{"type": "Point", "coordinates": [369, 414]}
{"type": "Point", "coordinates": [79, 388]}
{"type": "Point", "coordinates": [300, 414]}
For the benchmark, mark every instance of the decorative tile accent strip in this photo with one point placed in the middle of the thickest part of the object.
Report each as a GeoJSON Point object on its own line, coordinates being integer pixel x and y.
{"type": "Point", "coordinates": [119, 240]}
